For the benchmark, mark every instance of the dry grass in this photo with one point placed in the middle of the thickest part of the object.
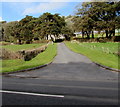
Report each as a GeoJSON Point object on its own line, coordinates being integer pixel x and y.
{"type": "Point", "coordinates": [5, 54]}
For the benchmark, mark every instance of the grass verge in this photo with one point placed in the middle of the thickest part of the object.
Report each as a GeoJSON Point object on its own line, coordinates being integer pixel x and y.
{"type": "Point", "coordinates": [41, 59]}
{"type": "Point", "coordinates": [95, 55]}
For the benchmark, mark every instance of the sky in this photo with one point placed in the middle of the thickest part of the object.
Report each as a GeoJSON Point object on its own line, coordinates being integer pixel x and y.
{"type": "Point", "coordinates": [15, 10]}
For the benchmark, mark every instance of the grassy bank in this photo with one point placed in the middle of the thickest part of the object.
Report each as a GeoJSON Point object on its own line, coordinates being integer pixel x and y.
{"type": "Point", "coordinates": [41, 59]}
{"type": "Point", "coordinates": [22, 47]}
{"type": "Point", "coordinates": [101, 53]}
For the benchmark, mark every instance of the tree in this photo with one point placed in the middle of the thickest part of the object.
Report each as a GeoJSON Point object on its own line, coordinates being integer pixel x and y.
{"type": "Point", "coordinates": [51, 24]}
{"type": "Point", "coordinates": [9, 31]}
{"type": "Point", "coordinates": [68, 33]}
{"type": "Point", "coordinates": [83, 20]}
{"type": "Point", "coordinates": [69, 22]}
{"type": "Point", "coordinates": [2, 30]}
{"type": "Point", "coordinates": [98, 16]}
{"type": "Point", "coordinates": [26, 28]}
{"type": "Point", "coordinates": [29, 28]}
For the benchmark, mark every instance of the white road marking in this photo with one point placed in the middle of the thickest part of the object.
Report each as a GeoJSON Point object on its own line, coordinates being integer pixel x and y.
{"type": "Point", "coordinates": [35, 94]}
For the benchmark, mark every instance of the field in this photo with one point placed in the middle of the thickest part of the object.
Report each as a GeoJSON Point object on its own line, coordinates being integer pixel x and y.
{"type": "Point", "coordinates": [110, 47]}
{"type": "Point", "coordinates": [40, 59]}
{"type": "Point", "coordinates": [102, 53]}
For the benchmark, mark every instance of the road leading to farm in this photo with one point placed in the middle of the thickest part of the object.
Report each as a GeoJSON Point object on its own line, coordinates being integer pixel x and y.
{"type": "Point", "coordinates": [70, 66]}
{"type": "Point", "coordinates": [71, 75]}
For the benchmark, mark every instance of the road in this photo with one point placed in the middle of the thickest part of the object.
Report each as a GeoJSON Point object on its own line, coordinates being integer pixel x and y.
{"type": "Point", "coordinates": [72, 79]}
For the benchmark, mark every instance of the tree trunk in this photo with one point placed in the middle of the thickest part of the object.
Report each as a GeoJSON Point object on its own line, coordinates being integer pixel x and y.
{"type": "Point", "coordinates": [19, 41]}
{"type": "Point", "coordinates": [114, 31]}
{"type": "Point", "coordinates": [92, 34]}
{"type": "Point", "coordinates": [83, 34]}
{"type": "Point", "coordinates": [106, 31]}
{"type": "Point", "coordinates": [51, 38]}
{"type": "Point", "coordinates": [47, 36]}
{"type": "Point", "coordinates": [88, 35]}
{"type": "Point", "coordinates": [110, 34]}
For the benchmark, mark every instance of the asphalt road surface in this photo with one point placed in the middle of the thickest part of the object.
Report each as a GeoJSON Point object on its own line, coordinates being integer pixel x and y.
{"type": "Point", "coordinates": [72, 79]}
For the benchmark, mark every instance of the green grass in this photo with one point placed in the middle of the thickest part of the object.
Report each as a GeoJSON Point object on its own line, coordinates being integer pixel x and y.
{"type": "Point", "coordinates": [109, 47]}
{"type": "Point", "coordinates": [96, 54]}
{"type": "Point", "coordinates": [22, 47]}
{"type": "Point", "coordinates": [41, 59]}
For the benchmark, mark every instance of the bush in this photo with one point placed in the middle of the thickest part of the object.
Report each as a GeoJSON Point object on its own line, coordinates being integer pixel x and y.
{"type": "Point", "coordinates": [100, 39]}
{"type": "Point", "coordinates": [40, 41]}
{"type": "Point", "coordinates": [5, 43]}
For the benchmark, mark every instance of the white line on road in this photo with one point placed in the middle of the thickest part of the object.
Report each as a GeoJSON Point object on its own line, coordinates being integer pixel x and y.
{"type": "Point", "coordinates": [35, 94]}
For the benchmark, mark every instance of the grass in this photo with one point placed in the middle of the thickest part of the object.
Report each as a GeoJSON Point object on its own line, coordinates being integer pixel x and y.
{"type": "Point", "coordinates": [41, 59]}
{"type": "Point", "coordinates": [22, 47]}
{"type": "Point", "coordinates": [110, 47]}
{"type": "Point", "coordinates": [96, 54]}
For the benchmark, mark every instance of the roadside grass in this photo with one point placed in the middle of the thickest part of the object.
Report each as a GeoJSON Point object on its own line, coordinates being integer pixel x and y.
{"type": "Point", "coordinates": [109, 47]}
{"type": "Point", "coordinates": [96, 54]}
{"type": "Point", "coordinates": [22, 47]}
{"type": "Point", "coordinates": [41, 59]}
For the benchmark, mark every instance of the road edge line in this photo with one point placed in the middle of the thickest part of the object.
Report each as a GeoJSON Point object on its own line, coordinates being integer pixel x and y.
{"type": "Point", "coordinates": [106, 67]}
{"type": "Point", "coordinates": [35, 94]}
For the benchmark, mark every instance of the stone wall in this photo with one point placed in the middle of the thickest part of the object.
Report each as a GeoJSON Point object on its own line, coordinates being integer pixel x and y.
{"type": "Point", "coordinates": [5, 54]}
{"type": "Point", "coordinates": [23, 54]}
{"type": "Point", "coordinates": [29, 54]}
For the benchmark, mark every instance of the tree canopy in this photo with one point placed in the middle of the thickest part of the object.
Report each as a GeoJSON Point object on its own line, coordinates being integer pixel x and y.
{"type": "Point", "coordinates": [30, 27]}
{"type": "Point", "coordinates": [90, 17]}
{"type": "Point", "coordinates": [100, 16]}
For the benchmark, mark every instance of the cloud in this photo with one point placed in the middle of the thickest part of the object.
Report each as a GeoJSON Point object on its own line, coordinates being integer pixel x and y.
{"type": "Point", "coordinates": [43, 7]}
{"type": "Point", "coordinates": [1, 19]}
